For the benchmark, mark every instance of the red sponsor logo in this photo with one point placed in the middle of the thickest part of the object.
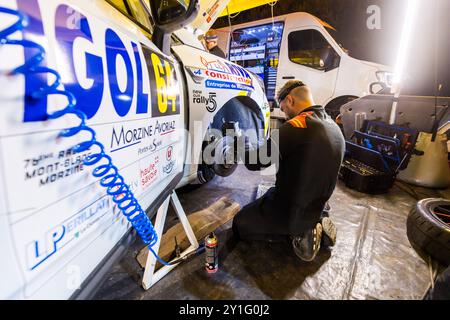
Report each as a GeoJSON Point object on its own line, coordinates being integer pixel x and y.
{"type": "Point", "coordinates": [149, 173]}
{"type": "Point", "coordinates": [169, 153]}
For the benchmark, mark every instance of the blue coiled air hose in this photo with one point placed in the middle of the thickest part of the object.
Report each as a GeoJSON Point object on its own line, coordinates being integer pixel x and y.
{"type": "Point", "coordinates": [109, 175]}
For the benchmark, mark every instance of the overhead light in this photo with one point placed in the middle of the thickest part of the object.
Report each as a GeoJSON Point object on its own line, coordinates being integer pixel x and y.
{"type": "Point", "coordinates": [402, 54]}
{"type": "Point", "coordinates": [411, 12]}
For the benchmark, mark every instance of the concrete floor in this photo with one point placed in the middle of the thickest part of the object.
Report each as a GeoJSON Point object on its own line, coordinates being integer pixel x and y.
{"type": "Point", "coordinates": [371, 260]}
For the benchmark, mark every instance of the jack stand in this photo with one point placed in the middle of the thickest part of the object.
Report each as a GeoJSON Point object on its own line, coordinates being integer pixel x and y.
{"type": "Point", "coordinates": [150, 276]}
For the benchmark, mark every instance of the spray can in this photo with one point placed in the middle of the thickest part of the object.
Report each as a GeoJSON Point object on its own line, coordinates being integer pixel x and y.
{"type": "Point", "coordinates": [211, 253]}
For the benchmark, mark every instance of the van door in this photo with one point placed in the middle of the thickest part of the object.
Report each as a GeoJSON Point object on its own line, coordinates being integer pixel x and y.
{"type": "Point", "coordinates": [308, 56]}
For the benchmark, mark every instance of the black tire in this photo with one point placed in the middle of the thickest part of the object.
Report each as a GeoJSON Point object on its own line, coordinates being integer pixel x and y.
{"type": "Point", "coordinates": [205, 172]}
{"type": "Point", "coordinates": [429, 231]}
{"type": "Point", "coordinates": [224, 149]}
{"type": "Point", "coordinates": [333, 109]}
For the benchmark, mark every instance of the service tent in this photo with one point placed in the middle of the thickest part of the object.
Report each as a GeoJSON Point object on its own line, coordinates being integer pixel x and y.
{"type": "Point", "coordinates": [210, 10]}
{"type": "Point", "coordinates": [235, 6]}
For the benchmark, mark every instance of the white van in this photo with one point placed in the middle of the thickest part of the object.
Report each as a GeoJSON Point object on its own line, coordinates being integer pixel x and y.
{"type": "Point", "coordinates": [300, 46]}
{"type": "Point", "coordinates": [139, 84]}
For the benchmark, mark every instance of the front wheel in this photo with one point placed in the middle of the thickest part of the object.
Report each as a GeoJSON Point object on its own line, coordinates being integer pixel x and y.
{"type": "Point", "coordinates": [223, 160]}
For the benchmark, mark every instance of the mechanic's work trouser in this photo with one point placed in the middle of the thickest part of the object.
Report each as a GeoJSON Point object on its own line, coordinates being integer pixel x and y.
{"type": "Point", "coordinates": [267, 219]}
{"type": "Point", "coordinates": [441, 290]}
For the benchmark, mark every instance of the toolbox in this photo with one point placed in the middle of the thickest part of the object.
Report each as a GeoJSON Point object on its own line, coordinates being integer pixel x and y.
{"type": "Point", "coordinates": [375, 156]}
{"type": "Point", "coordinates": [365, 170]}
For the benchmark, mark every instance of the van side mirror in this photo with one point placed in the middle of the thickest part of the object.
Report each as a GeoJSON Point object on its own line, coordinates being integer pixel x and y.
{"type": "Point", "coordinates": [334, 63]}
{"type": "Point", "coordinates": [169, 16]}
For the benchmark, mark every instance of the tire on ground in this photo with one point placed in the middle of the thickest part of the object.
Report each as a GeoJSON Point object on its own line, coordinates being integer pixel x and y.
{"type": "Point", "coordinates": [429, 235]}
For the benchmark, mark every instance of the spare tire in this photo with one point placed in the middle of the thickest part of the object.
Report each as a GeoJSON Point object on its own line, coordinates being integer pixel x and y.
{"type": "Point", "coordinates": [428, 229]}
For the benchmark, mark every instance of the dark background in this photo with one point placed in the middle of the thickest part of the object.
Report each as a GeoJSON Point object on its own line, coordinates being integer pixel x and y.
{"type": "Point", "coordinates": [430, 35]}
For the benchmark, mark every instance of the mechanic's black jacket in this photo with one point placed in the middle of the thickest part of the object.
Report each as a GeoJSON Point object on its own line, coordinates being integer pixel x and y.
{"type": "Point", "coordinates": [311, 149]}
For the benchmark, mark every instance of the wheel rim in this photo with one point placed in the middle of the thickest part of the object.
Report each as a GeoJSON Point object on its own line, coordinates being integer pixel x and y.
{"type": "Point", "coordinates": [223, 155]}
{"type": "Point", "coordinates": [442, 214]}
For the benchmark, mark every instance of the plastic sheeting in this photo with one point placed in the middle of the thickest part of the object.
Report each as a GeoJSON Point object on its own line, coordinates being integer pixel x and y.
{"type": "Point", "coordinates": [371, 260]}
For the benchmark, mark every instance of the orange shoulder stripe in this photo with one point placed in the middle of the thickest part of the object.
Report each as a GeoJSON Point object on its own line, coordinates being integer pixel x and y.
{"type": "Point", "coordinates": [300, 120]}
{"type": "Point", "coordinates": [296, 123]}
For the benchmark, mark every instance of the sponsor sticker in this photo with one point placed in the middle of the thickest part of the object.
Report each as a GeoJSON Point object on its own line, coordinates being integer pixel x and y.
{"type": "Point", "coordinates": [149, 173]}
{"type": "Point", "coordinates": [170, 163]}
{"type": "Point", "coordinates": [210, 101]}
{"type": "Point", "coordinates": [222, 75]}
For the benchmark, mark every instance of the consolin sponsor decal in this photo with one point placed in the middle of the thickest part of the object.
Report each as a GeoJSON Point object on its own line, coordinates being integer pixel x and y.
{"type": "Point", "coordinates": [222, 75]}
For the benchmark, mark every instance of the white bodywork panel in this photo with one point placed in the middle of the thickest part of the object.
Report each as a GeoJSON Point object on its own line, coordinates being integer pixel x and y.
{"type": "Point", "coordinates": [56, 222]}
{"type": "Point", "coordinates": [211, 83]}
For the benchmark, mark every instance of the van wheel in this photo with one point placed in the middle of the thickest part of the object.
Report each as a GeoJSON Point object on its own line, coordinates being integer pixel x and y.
{"type": "Point", "coordinates": [333, 108]}
{"type": "Point", "coordinates": [428, 229]}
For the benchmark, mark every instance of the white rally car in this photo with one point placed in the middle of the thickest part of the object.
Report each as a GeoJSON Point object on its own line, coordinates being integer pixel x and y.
{"type": "Point", "coordinates": [139, 86]}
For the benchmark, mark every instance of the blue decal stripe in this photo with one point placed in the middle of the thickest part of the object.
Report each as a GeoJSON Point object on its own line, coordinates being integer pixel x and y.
{"type": "Point", "coordinates": [227, 85]}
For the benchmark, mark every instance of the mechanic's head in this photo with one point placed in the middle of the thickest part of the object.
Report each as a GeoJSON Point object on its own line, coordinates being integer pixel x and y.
{"type": "Point", "coordinates": [211, 38]}
{"type": "Point", "coordinates": [294, 97]}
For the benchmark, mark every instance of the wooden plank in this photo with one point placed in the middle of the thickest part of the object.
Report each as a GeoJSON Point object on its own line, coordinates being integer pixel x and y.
{"type": "Point", "coordinates": [202, 222]}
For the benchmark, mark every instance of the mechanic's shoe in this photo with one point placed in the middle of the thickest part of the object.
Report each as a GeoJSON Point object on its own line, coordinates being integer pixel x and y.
{"type": "Point", "coordinates": [307, 246]}
{"type": "Point", "coordinates": [327, 207]}
{"type": "Point", "coordinates": [329, 232]}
